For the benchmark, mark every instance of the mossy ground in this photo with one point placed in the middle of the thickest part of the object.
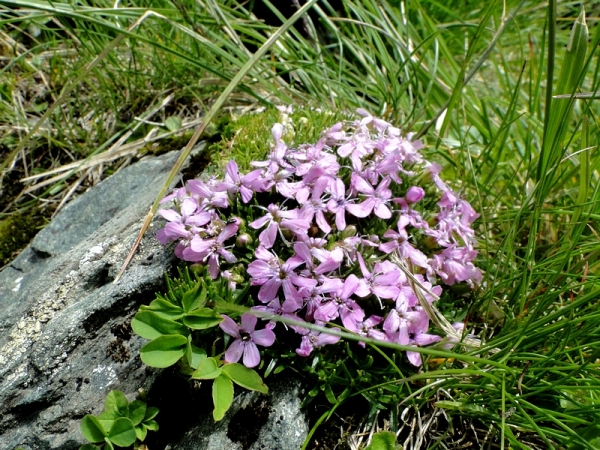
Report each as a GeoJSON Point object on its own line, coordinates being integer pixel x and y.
{"type": "Point", "coordinates": [16, 231]}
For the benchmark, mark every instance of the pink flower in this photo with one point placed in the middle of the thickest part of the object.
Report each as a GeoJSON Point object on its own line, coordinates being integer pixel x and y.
{"type": "Point", "coordinates": [400, 243]}
{"type": "Point", "coordinates": [246, 185]}
{"type": "Point", "coordinates": [375, 201]}
{"type": "Point", "coordinates": [315, 339]}
{"type": "Point", "coordinates": [277, 219]}
{"type": "Point", "coordinates": [454, 265]}
{"type": "Point", "coordinates": [338, 203]}
{"type": "Point", "coordinates": [246, 340]}
{"type": "Point", "coordinates": [383, 282]}
{"type": "Point", "coordinates": [272, 274]}
{"type": "Point", "coordinates": [210, 249]}
{"type": "Point", "coordinates": [367, 328]}
{"type": "Point", "coordinates": [208, 195]}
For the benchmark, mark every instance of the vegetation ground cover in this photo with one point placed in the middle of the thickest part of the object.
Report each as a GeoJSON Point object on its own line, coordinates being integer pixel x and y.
{"type": "Point", "coordinates": [487, 85]}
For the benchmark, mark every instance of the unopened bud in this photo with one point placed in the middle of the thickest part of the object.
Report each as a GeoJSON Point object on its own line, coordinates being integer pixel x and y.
{"type": "Point", "coordinates": [243, 240]}
{"type": "Point", "coordinates": [197, 268]}
{"type": "Point", "coordinates": [349, 231]}
{"type": "Point", "coordinates": [414, 194]}
{"type": "Point", "coordinates": [241, 222]}
{"type": "Point", "coordinates": [374, 239]}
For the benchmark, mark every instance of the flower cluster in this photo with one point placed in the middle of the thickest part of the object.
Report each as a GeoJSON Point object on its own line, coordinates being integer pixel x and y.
{"type": "Point", "coordinates": [323, 223]}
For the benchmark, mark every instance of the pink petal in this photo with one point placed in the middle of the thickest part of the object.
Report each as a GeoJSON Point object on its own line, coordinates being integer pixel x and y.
{"type": "Point", "coordinates": [188, 207]}
{"type": "Point", "coordinates": [383, 211]}
{"type": "Point", "coordinates": [259, 223]}
{"type": "Point", "coordinates": [414, 358]}
{"type": "Point", "coordinates": [234, 352]}
{"type": "Point", "coordinates": [248, 322]}
{"type": "Point", "coordinates": [259, 269]}
{"type": "Point", "coordinates": [327, 339]}
{"type": "Point", "coordinates": [268, 291]}
{"type": "Point", "coordinates": [264, 337]}
{"type": "Point", "coordinates": [233, 171]}
{"type": "Point", "coordinates": [229, 326]}
{"type": "Point", "coordinates": [386, 291]}
{"type": "Point", "coordinates": [363, 209]}
{"type": "Point", "coordinates": [361, 185]}
{"type": "Point", "coordinates": [170, 215]}
{"type": "Point", "coordinates": [251, 355]}
{"type": "Point", "coordinates": [268, 236]}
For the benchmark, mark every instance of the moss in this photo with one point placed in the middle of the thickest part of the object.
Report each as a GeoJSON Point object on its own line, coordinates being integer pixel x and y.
{"type": "Point", "coordinates": [248, 138]}
{"type": "Point", "coordinates": [16, 231]}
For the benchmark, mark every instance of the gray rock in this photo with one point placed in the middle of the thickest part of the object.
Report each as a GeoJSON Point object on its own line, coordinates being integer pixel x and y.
{"type": "Point", "coordinates": [65, 338]}
{"type": "Point", "coordinates": [254, 422]}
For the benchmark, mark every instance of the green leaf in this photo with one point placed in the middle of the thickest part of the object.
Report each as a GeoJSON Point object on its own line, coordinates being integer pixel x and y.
{"type": "Point", "coordinates": [164, 351]}
{"type": "Point", "coordinates": [152, 425]}
{"type": "Point", "coordinates": [137, 411]}
{"type": "Point", "coordinates": [107, 418]}
{"type": "Point", "coordinates": [116, 404]}
{"type": "Point", "coordinates": [194, 298]}
{"type": "Point", "coordinates": [109, 444]}
{"type": "Point", "coordinates": [88, 447]}
{"type": "Point", "coordinates": [173, 123]}
{"type": "Point", "coordinates": [92, 429]}
{"type": "Point", "coordinates": [122, 433]}
{"type": "Point", "coordinates": [207, 370]}
{"type": "Point", "coordinates": [195, 355]}
{"type": "Point", "coordinates": [222, 393]}
{"type": "Point", "coordinates": [164, 308]}
{"type": "Point", "coordinates": [202, 318]}
{"type": "Point", "coordinates": [384, 440]}
{"type": "Point", "coordinates": [150, 325]}
{"type": "Point", "coordinates": [151, 413]}
{"type": "Point", "coordinates": [245, 377]}
{"type": "Point", "coordinates": [141, 431]}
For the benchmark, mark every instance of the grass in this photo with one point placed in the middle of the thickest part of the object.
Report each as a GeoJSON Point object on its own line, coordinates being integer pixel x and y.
{"type": "Point", "coordinates": [478, 81]}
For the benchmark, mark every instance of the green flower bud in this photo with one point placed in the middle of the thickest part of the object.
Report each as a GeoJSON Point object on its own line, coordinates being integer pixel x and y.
{"type": "Point", "coordinates": [349, 231]}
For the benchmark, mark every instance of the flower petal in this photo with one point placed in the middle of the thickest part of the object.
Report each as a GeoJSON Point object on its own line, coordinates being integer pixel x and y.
{"type": "Point", "coordinates": [251, 355]}
{"type": "Point", "coordinates": [248, 322]}
{"type": "Point", "coordinates": [264, 337]}
{"type": "Point", "coordinates": [234, 352]}
{"type": "Point", "coordinates": [229, 326]}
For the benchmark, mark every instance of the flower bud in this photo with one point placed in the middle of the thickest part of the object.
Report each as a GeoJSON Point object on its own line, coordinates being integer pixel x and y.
{"type": "Point", "coordinates": [414, 194]}
{"type": "Point", "coordinates": [197, 267]}
{"type": "Point", "coordinates": [243, 240]}
{"type": "Point", "coordinates": [241, 222]}
{"type": "Point", "coordinates": [349, 231]}
{"type": "Point", "coordinates": [374, 239]}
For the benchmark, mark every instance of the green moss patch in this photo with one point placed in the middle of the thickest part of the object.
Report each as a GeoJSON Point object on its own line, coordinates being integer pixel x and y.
{"type": "Point", "coordinates": [16, 231]}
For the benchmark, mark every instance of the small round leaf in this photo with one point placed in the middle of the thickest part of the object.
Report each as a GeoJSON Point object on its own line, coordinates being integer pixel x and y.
{"type": "Point", "coordinates": [137, 411]}
{"type": "Point", "coordinates": [164, 351]}
{"type": "Point", "coordinates": [92, 429]}
{"type": "Point", "coordinates": [122, 433]}
{"type": "Point", "coordinates": [207, 370]}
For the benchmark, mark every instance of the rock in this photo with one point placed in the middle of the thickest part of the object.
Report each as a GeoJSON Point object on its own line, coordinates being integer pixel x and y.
{"type": "Point", "coordinates": [254, 422]}
{"type": "Point", "coordinates": [65, 335]}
